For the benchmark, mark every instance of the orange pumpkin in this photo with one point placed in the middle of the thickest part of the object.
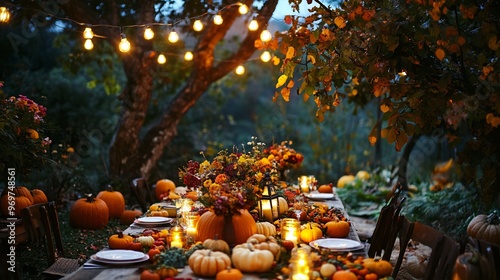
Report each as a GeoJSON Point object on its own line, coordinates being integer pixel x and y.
{"type": "Point", "coordinates": [17, 201]}
{"type": "Point", "coordinates": [344, 275]}
{"type": "Point", "coordinates": [38, 196]}
{"type": "Point", "coordinates": [325, 189]}
{"type": "Point", "coordinates": [310, 232]}
{"type": "Point", "coordinates": [229, 274]}
{"type": "Point", "coordinates": [234, 229]}
{"type": "Point", "coordinates": [164, 186]}
{"type": "Point", "coordinates": [338, 229]}
{"type": "Point", "coordinates": [378, 266]}
{"type": "Point", "coordinates": [129, 216]}
{"type": "Point", "coordinates": [89, 213]}
{"type": "Point", "coordinates": [149, 275]}
{"type": "Point", "coordinates": [485, 227]}
{"type": "Point", "coordinates": [114, 200]}
{"type": "Point", "coordinates": [120, 241]}
{"type": "Point", "coordinates": [20, 191]}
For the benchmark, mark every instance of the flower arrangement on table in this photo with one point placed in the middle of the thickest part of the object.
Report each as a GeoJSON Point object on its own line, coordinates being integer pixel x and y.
{"type": "Point", "coordinates": [21, 133]}
{"type": "Point", "coordinates": [284, 158]}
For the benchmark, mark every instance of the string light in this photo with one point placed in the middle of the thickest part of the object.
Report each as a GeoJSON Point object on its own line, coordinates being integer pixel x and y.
{"type": "Point", "coordinates": [253, 25]}
{"type": "Point", "coordinates": [173, 37]}
{"type": "Point", "coordinates": [88, 45]}
{"type": "Point", "coordinates": [148, 33]}
{"type": "Point", "coordinates": [243, 9]}
{"type": "Point", "coordinates": [124, 45]}
{"type": "Point", "coordinates": [218, 19]}
{"type": "Point", "coordinates": [4, 14]}
{"type": "Point", "coordinates": [197, 25]}
{"type": "Point", "coordinates": [265, 56]}
{"type": "Point", "coordinates": [240, 70]}
{"type": "Point", "coordinates": [188, 56]}
{"type": "Point", "coordinates": [265, 36]}
{"type": "Point", "coordinates": [88, 33]}
{"type": "Point", "coordinates": [162, 59]}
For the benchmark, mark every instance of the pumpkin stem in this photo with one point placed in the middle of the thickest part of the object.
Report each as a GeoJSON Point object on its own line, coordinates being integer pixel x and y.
{"type": "Point", "coordinates": [90, 198]}
{"type": "Point", "coordinates": [492, 218]}
{"type": "Point", "coordinates": [109, 188]}
{"type": "Point", "coordinates": [120, 234]}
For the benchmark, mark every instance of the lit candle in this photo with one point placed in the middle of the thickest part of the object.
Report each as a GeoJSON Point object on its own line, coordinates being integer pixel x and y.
{"type": "Point", "coordinates": [300, 276]}
{"type": "Point", "coordinates": [304, 183]}
{"type": "Point", "coordinates": [301, 265]}
{"type": "Point", "coordinates": [266, 210]}
{"type": "Point", "coordinates": [177, 237]}
{"type": "Point", "coordinates": [290, 230]}
{"type": "Point", "coordinates": [176, 243]}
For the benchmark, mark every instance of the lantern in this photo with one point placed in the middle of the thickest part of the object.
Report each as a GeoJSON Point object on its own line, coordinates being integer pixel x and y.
{"type": "Point", "coordinates": [301, 265]}
{"type": "Point", "coordinates": [268, 203]}
{"type": "Point", "coordinates": [177, 237]}
{"type": "Point", "coordinates": [4, 14]}
{"type": "Point", "coordinates": [290, 230]}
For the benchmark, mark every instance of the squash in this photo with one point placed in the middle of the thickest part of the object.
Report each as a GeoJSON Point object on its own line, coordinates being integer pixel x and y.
{"type": "Point", "coordinates": [148, 274]}
{"type": "Point", "coordinates": [248, 259]}
{"type": "Point", "coordinates": [114, 200]}
{"type": "Point", "coordinates": [485, 227]}
{"type": "Point", "coordinates": [166, 272]}
{"type": "Point", "coordinates": [207, 263]}
{"type": "Point", "coordinates": [6, 201]}
{"type": "Point", "coordinates": [310, 232]}
{"type": "Point", "coordinates": [283, 204]}
{"type": "Point", "coordinates": [129, 216]}
{"type": "Point", "coordinates": [233, 229]}
{"type": "Point", "coordinates": [266, 228]}
{"type": "Point", "coordinates": [216, 244]}
{"type": "Point", "coordinates": [345, 180]}
{"type": "Point", "coordinates": [344, 275]}
{"type": "Point", "coordinates": [378, 266]}
{"type": "Point", "coordinates": [38, 196]}
{"type": "Point", "coordinates": [229, 274]}
{"type": "Point", "coordinates": [327, 269]}
{"type": "Point", "coordinates": [89, 213]}
{"type": "Point", "coordinates": [472, 266]}
{"type": "Point", "coordinates": [163, 187]}
{"type": "Point", "coordinates": [120, 241]}
{"type": "Point", "coordinates": [337, 228]}
{"type": "Point", "coordinates": [261, 242]}
{"type": "Point", "coordinates": [325, 189]}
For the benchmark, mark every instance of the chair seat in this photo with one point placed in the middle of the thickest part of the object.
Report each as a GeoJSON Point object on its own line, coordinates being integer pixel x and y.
{"type": "Point", "coordinates": [62, 267]}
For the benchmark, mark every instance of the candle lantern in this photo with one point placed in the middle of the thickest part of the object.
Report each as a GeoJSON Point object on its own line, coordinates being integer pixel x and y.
{"type": "Point", "coordinates": [304, 183]}
{"type": "Point", "coordinates": [191, 219]}
{"type": "Point", "coordinates": [290, 230]}
{"type": "Point", "coordinates": [269, 203]}
{"type": "Point", "coordinates": [301, 265]}
{"type": "Point", "coordinates": [177, 237]}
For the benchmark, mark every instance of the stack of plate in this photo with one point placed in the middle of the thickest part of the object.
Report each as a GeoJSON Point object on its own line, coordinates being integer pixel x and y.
{"type": "Point", "coordinates": [152, 221]}
{"type": "Point", "coordinates": [120, 257]}
{"type": "Point", "coordinates": [337, 244]}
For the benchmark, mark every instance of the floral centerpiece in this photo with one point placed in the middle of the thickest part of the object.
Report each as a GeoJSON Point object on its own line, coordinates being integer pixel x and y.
{"type": "Point", "coordinates": [284, 158]}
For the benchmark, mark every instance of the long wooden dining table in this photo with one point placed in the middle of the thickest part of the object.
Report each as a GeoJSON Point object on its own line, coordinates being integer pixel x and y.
{"type": "Point", "coordinates": [97, 271]}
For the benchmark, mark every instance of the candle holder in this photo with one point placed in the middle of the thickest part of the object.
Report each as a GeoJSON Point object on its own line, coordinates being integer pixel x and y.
{"type": "Point", "coordinates": [290, 230]}
{"type": "Point", "coordinates": [191, 219]}
{"type": "Point", "coordinates": [268, 203]}
{"type": "Point", "coordinates": [301, 265]}
{"type": "Point", "coordinates": [177, 237]}
{"type": "Point", "coordinates": [304, 184]}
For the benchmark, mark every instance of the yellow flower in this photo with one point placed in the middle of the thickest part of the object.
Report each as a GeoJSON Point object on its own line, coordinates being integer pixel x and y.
{"type": "Point", "coordinates": [207, 183]}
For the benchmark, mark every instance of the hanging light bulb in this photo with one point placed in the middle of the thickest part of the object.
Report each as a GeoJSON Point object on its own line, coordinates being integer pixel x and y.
{"type": "Point", "coordinates": [173, 36]}
{"type": "Point", "coordinates": [188, 56]}
{"type": "Point", "coordinates": [124, 45]}
{"type": "Point", "coordinates": [148, 33]}
{"type": "Point", "coordinates": [253, 25]}
{"type": "Point", "coordinates": [265, 56]}
{"type": "Point", "coordinates": [162, 59]}
{"type": "Point", "coordinates": [218, 19]}
{"type": "Point", "coordinates": [243, 9]}
{"type": "Point", "coordinates": [240, 70]}
{"type": "Point", "coordinates": [265, 36]}
{"type": "Point", "coordinates": [197, 25]}
{"type": "Point", "coordinates": [88, 33]}
{"type": "Point", "coordinates": [4, 14]}
{"type": "Point", "coordinates": [88, 45]}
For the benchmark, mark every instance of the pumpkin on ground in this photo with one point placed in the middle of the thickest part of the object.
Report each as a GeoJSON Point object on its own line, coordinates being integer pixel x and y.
{"type": "Point", "coordinates": [216, 244]}
{"type": "Point", "coordinates": [207, 263]}
{"type": "Point", "coordinates": [89, 213]}
{"type": "Point", "coordinates": [233, 229]}
{"type": "Point", "coordinates": [337, 229]}
{"type": "Point", "coordinates": [266, 228]}
{"type": "Point", "coordinates": [21, 202]}
{"type": "Point", "coordinates": [229, 274]}
{"type": "Point", "coordinates": [120, 241]}
{"type": "Point", "coordinates": [163, 188]}
{"type": "Point", "coordinates": [129, 216]}
{"type": "Point", "coordinates": [20, 191]}
{"type": "Point", "coordinates": [310, 232]}
{"type": "Point", "coordinates": [378, 266]}
{"type": "Point", "coordinates": [248, 259]}
{"type": "Point", "coordinates": [114, 200]}
{"type": "Point", "coordinates": [38, 196]}
{"type": "Point", "coordinates": [485, 227]}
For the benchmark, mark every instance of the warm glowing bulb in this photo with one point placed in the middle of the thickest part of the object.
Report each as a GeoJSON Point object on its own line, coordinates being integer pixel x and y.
{"type": "Point", "coordinates": [173, 37]}
{"type": "Point", "coordinates": [87, 33]}
{"type": "Point", "coordinates": [162, 59]}
{"type": "Point", "coordinates": [253, 25]}
{"type": "Point", "coordinates": [148, 33]}
{"type": "Point", "coordinates": [4, 14]}
{"type": "Point", "coordinates": [124, 45]}
{"type": "Point", "coordinates": [266, 36]}
{"type": "Point", "coordinates": [240, 70]}
{"type": "Point", "coordinates": [218, 19]}
{"type": "Point", "coordinates": [197, 25]}
{"type": "Point", "coordinates": [402, 73]}
{"type": "Point", "coordinates": [265, 56]}
{"type": "Point", "coordinates": [188, 56]}
{"type": "Point", "coordinates": [243, 9]}
{"type": "Point", "coordinates": [88, 45]}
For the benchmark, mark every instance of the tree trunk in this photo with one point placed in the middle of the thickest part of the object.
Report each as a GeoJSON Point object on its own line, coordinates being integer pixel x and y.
{"type": "Point", "coordinates": [403, 162]}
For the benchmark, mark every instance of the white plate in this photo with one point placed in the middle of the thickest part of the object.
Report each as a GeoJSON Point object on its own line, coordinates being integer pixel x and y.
{"type": "Point", "coordinates": [144, 258]}
{"type": "Point", "coordinates": [337, 244]}
{"type": "Point", "coordinates": [119, 255]}
{"type": "Point", "coordinates": [153, 220]}
{"type": "Point", "coordinates": [320, 195]}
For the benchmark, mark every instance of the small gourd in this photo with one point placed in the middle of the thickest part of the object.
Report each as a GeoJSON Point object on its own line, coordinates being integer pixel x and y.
{"type": "Point", "coordinates": [216, 244]}
{"type": "Point", "coordinates": [120, 241]}
{"type": "Point", "coordinates": [207, 263]}
{"type": "Point", "coordinates": [266, 228]}
{"type": "Point", "coordinates": [248, 259]}
{"type": "Point", "coordinates": [310, 232]}
{"type": "Point", "coordinates": [261, 242]}
{"type": "Point", "coordinates": [378, 266]}
{"type": "Point", "coordinates": [229, 274]}
{"type": "Point", "coordinates": [337, 228]}
{"type": "Point", "coordinates": [485, 227]}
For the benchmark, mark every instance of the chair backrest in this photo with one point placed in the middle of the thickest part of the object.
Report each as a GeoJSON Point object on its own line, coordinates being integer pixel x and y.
{"type": "Point", "coordinates": [143, 193]}
{"type": "Point", "coordinates": [42, 224]}
{"type": "Point", "coordinates": [444, 252]}
{"type": "Point", "coordinates": [492, 254]}
{"type": "Point", "coordinates": [386, 230]}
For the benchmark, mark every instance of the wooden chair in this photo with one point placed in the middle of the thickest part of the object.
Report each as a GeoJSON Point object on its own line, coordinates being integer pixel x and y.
{"type": "Point", "coordinates": [492, 254]}
{"type": "Point", "coordinates": [143, 193]}
{"type": "Point", "coordinates": [42, 224]}
{"type": "Point", "coordinates": [444, 253]}
{"type": "Point", "coordinates": [386, 230]}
